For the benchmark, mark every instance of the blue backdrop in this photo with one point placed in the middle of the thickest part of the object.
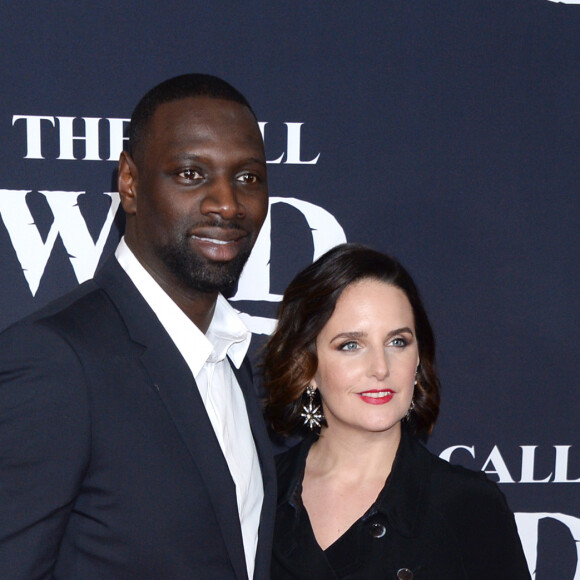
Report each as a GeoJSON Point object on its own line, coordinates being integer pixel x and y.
{"type": "Point", "coordinates": [446, 133]}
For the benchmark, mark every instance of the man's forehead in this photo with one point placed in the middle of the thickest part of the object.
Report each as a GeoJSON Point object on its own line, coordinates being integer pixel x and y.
{"type": "Point", "coordinates": [201, 118]}
{"type": "Point", "coordinates": [181, 126]}
{"type": "Point", "coordinates": [202, 107]}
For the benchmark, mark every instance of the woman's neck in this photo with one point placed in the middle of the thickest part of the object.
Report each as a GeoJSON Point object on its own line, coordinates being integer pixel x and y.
{"type": "Point", "coordinates": [345, 472]}
{"type": "Point", "coordinates": [354, 456]}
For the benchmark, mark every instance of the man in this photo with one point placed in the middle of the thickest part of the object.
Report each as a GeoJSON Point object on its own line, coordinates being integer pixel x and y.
{"type": "Point", "coordinates": [130, 446]}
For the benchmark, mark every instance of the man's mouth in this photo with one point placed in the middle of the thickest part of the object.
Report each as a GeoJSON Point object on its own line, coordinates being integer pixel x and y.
{"type": "Point", "coordinates": [217, 243]}
{"type": "Point", "coordinates": [214, 240]}
{"type": "Point", "coordinates": [218, 235]}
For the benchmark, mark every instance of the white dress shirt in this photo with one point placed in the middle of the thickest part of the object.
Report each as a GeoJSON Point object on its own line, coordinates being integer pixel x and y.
{"type": "Point", "coordinates": [219, 389]}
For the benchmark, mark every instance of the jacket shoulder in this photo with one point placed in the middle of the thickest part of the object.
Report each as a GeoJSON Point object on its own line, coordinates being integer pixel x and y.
{"type": "Point", "coordinates": [84, 323]}
{"type": "Point", "coordinates": [290, 467]}
{"type": "Point", "coordinates": [457, 486]}
{"type": "Point", "coordinates": [472, 514]}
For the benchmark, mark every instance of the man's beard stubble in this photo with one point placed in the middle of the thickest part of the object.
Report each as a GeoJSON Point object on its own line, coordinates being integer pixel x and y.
{"type": "Point", "coordinates": [202, 275]}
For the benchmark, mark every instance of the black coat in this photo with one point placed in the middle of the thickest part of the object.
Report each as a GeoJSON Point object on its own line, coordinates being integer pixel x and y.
{"type": "Point", "coordinates": [109, 465]}
{"type": "Point", "coordinates": [432, 521]}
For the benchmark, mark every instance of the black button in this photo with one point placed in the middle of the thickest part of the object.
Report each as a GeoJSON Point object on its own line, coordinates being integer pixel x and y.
{"type": "Point", "coordinates": [404, 574]}
{"type": "Point", "coordinates": [377, 530]}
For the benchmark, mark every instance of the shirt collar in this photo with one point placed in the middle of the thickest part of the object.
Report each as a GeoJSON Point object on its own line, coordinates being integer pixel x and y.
{"type": "Point", "coordinates": [226, 334]}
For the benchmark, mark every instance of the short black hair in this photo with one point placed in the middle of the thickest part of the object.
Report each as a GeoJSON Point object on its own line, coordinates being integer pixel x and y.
{"type": "Point", "coordinates": [174, 89]}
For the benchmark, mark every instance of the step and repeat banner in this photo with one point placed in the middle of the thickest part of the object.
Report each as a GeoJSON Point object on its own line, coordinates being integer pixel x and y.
{"type": "Point", "coordinates": [446, 133]}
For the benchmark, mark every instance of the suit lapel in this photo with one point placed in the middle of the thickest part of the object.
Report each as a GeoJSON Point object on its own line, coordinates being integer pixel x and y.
{"type": "Point", "coordinates": [265, 455]}
{"type": "Point", "coordinates": [172, 379]}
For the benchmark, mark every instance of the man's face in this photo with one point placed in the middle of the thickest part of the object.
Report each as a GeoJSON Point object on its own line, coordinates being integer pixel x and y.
{"type": "Point", "coordinates": [197, 195]}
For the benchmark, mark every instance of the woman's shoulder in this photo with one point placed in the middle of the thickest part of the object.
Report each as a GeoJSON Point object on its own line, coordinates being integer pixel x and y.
{"type": "Point", "coordinates": [467, 500]}
{"type": "Point", "coordinates": [287, 459]}
{"type": "Point", "coordinates": [290, 466]}
{"type": "Point", "coordinates": [474, 511]}
{"type": "Point", "coordinates": [452, 488]}
{"type": "Point", "coordinates": [459, 485]}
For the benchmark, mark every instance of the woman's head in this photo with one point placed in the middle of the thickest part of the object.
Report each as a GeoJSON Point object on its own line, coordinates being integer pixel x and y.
{"type": "Point", "coordinates": [291, 361]}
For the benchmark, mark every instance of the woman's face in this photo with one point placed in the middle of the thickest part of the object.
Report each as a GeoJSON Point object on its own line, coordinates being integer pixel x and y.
{"type": "Point", "coordinates": [367, 358]}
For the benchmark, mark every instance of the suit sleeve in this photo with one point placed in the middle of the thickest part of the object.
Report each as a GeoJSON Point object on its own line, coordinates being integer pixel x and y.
{"type": "Point", "coordinates": [44, 443]}
{"type": "Point", "coordinates": [487, 535]}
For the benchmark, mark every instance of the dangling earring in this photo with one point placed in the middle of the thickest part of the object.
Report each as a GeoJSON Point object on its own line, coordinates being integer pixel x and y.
{"type": "Point", "coordinates": [312, 414]}
{"type": "Point", "coordinates": [412, 405]}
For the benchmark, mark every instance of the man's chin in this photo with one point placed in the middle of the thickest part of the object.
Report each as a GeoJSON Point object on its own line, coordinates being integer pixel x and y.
{"type": "Point", "coordinates": [205, 275]}
{"type": "Point", "coordinates": [211, 282]}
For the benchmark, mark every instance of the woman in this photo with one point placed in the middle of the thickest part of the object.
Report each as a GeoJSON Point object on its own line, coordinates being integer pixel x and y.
{"type": "Point", "coordinates": [352, 359]}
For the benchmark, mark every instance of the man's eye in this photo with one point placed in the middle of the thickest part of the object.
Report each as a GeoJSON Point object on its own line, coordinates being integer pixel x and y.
{"type": "Point", "coordinates": [190, 174]}
{"type": "Point", "coordinates": [349, 346]}
{"type": "Point", "coordinates": [248, 178]}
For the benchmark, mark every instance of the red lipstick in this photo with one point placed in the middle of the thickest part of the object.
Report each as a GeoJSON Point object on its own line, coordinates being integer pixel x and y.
{"type": "Point", "coordinates": [377, 396]}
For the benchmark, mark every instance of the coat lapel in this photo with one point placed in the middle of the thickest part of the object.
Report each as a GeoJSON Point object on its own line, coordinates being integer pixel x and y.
{"type": "Point", "coordinates": [265, 455]}
{"type": "Point", "coordinates": [172, 379]}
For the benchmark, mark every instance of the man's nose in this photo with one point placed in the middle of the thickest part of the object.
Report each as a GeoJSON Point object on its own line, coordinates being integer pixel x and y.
{"type": "Point", "coordinates": [222, 199]}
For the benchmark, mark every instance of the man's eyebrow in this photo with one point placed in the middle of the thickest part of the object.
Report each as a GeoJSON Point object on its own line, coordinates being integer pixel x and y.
{"type": "Point", "coordinates": [257, 160]}
{"type": "Point", "coordinates": [184, 156]}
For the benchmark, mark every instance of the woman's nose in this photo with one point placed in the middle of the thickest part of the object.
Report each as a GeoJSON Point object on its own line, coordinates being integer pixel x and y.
{"type": "Point", "coordinates": [379, 364]}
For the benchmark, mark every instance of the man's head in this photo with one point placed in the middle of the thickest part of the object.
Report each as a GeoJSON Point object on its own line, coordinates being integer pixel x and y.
{"type": "Point", "coordinates": [193, 183]}
{"type": "Point", "coordinates": [175, 89]}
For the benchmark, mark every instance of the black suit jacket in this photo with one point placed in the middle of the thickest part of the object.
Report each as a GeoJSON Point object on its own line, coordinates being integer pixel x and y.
{"type": "Point", "coordinates": [109, 466]}
{"type": "Point", "coordinates": [432, 521]}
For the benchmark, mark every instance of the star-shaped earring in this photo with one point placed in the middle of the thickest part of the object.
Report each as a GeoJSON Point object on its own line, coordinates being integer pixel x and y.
{"type": "Point", "coordinates": [312, 414]}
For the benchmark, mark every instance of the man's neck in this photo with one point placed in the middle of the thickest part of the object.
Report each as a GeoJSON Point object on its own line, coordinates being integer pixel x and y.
{"type": "Point", "coordinates": [198, 306]}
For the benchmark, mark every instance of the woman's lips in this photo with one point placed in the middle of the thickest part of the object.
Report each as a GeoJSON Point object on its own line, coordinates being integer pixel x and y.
{"type": "Point", "coordinates": [377, 397]}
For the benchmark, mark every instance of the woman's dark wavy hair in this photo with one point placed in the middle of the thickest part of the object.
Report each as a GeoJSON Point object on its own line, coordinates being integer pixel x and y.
{"type": "Point", "coordinates": [290, 360]}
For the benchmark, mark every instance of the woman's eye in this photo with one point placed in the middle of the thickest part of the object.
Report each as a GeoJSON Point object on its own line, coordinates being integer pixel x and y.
{"type": "Point", "coordinates": [349, 346]}
{"type": "Point", "coordinates": [190, 174]}
{"type": "Point", "coordinates": [399, 342]}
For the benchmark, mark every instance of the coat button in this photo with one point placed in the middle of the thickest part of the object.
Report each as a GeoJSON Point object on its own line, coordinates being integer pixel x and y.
{"type": "Point", "coordinates": [377, 530]}
{"type": "Point", "coordinates": [404, 574]}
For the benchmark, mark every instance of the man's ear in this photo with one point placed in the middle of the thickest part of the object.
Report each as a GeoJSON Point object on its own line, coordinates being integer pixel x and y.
{"type": "Point", "coordinates": [127, 183]}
